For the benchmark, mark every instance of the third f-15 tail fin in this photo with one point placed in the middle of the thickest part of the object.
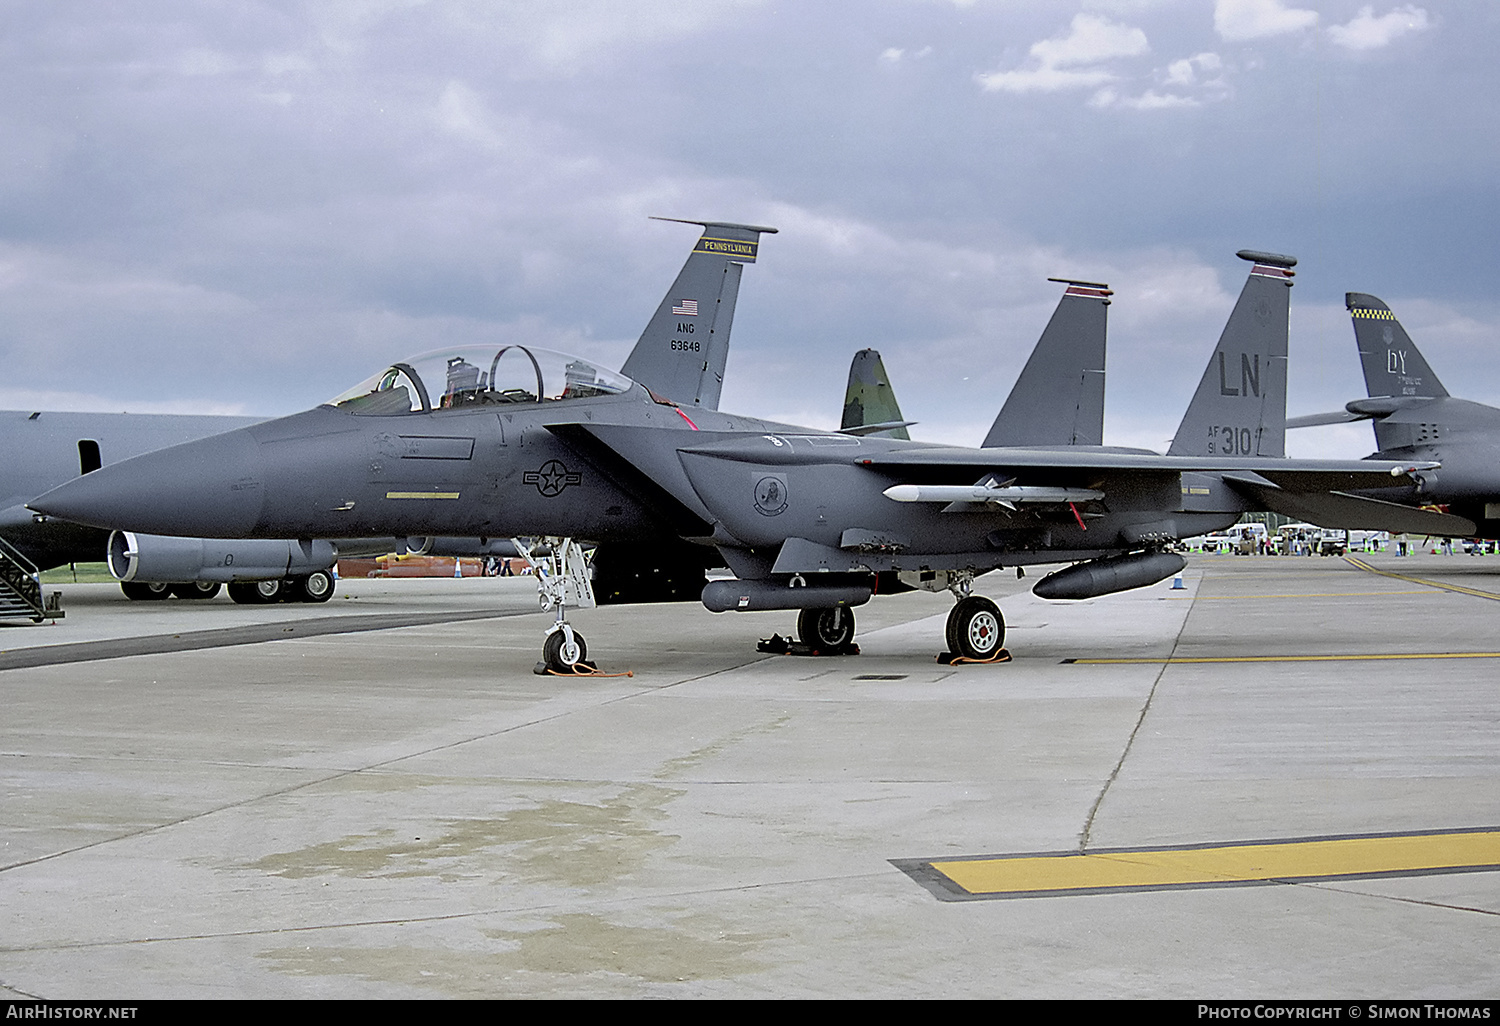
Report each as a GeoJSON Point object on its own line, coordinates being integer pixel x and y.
{"type": "Point", "coordinates": [1240, 406]}
{"type": "Point", "coordinates": [1059, 397]}
{"type": "Point", "coordinates": [681, 354]}
{"type": "Point", "coordinates": [1393, 366]}
{"type": "Point", "coordinates": [870, 406]}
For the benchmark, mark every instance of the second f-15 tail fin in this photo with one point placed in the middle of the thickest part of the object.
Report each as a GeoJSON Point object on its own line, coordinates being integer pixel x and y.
{"type": "Point", "coordinates": [1059, 397]}
{"type": "Point", "coordinates": [681, 354]}
{"type": "Point", "coordinates": [1240, 406]}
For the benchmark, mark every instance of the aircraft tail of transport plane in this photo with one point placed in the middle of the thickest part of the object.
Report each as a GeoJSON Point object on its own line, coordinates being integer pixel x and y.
{"type": "Point", "coordinates": [544, 444]}
{"type": "Point", "coordinates": [1059, 397]}
{"type": "Point", "coordinates": [683, 351]}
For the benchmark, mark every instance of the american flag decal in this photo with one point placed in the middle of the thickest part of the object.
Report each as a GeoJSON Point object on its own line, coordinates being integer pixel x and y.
{"type": "Point", "coordinates": [689, 308]}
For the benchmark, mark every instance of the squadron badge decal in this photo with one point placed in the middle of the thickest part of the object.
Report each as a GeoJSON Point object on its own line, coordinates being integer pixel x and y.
{"type": "Point", "coordinates": [770, 495]}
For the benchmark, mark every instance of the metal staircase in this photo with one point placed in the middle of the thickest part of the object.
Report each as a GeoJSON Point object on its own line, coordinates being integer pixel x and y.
{"type": "Point", "coordinates": [21, 589]}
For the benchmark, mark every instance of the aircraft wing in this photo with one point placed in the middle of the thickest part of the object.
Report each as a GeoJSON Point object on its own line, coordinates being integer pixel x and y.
{"type": "Point", "coordinates": [1290, 475]}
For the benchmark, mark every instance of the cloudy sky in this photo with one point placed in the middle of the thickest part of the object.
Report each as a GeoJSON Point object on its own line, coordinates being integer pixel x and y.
{"type": "Point", "coordinates": [236, 206]}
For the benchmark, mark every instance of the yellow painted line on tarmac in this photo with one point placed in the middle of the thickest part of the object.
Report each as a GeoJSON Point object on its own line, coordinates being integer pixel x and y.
{"type": "Point", "coordinates": [1349, 657]}
{"type": "Point", "coordinates": [1459, 588]}
{"type": "Point", "coordinates": [1214, 865]}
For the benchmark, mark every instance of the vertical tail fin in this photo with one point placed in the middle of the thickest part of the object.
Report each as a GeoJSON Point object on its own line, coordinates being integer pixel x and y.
{"type": "Point", "coordinates": [1393, 365]}
{"type": "Point", "coordinates": [1240, 406]}
{"type": "Point", "coordinates": [681, 354]}
{"type": "Point", "coordinates": [870, 406]}
{"type": "Point", "coordinates": [1059, 397]}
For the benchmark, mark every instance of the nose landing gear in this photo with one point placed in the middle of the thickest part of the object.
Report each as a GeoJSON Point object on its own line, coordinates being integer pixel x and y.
{"type": "Point", "coordinates": [562, 577]}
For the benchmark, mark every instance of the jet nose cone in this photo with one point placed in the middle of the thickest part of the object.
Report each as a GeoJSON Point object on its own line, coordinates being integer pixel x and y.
{"type": "Point", "coordinates": [210, 488]}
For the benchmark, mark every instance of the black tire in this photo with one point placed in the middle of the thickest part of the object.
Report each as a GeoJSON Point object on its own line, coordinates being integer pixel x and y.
{"type": "Point", "coordinates": [257, 593]}
{"type": "Point", "coordinates": [559, 660]}
{"type": "Point", "coordinates": [196, 589]}
{"type": "Point", "coordinates": [976, 630]}
{"type": "Point", "coordinates": [144, 591]}
{"type": "Point", "coordinates": [828, 628]}
{"type": "Point", "coordinates": [317, 586]}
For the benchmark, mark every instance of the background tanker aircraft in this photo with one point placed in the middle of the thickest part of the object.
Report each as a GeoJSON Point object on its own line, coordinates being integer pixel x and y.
{"type": "Point", "coordinates": [47, 449]}
{"type": "Point", "coordinates": [511, 441]}
{"type": "Point", "coordinates": [1416, 419]}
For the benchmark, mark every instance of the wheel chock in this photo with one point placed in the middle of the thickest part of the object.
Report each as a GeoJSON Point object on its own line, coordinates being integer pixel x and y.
{"type": "Point", "coordinates": [777, 645]}
{"type": "Point", "coordinates": [953, 659]}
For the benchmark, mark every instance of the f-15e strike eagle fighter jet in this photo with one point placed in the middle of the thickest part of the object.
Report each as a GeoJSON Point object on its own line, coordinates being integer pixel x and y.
{"type": "Point", "coordinates": [1416, 419]}
{"type": "Point", "coordinates": [510, 441]}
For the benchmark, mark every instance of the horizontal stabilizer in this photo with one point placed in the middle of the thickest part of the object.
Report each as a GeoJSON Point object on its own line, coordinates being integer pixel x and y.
{"type": "Point", "coordinates": [1320, 419]}
{"type": "Point", "coordinates": [884, 429]}
{"type": "Point", "coordinates": [1340, 510]}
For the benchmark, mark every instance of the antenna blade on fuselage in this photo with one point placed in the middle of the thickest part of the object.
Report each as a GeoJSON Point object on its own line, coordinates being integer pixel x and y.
{"type": "Point", "coordinates": [681, 354]}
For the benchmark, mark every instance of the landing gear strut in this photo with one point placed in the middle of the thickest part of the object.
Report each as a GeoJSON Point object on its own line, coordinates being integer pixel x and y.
{"type": "Point", "coordinates": [562, 578]}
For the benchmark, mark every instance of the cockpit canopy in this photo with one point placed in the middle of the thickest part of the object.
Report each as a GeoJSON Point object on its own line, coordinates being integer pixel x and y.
{"type": "Point", "coordinates": [478, 376]}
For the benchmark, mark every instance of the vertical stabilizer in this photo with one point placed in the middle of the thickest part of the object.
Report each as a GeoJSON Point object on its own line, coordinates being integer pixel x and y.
{"type": "Point", "coordinates": [1240, 406]}
{"type": "Point", "coordinates": [1393, 365]}
{"type": "Point", "coordinates": [1059, 397]}
{"type": "Point", "coordinates": [681, 354]}
{"type": "Point", "coordinates": [870, 406]}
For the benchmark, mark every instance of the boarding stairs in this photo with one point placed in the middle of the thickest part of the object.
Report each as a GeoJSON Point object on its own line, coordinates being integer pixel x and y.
{"type": "Point", "coordinates": [21, 588]}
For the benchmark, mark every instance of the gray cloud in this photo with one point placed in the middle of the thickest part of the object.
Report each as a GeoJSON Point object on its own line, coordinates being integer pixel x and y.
{"type": "Point", "coordinates": [250, 206]}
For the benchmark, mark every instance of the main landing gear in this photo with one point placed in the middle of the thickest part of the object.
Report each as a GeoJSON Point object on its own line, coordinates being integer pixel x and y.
{"type": "Point", "coordinates": [317, 586]}
{"type": "Point", "coordinates": [826, 629]}
{"type": "Point", "coordinates": [562, 578]}
{"type": "Point", "coordinates": [974, 632]}
{"type": "Point", "coordinates": [975, 629]}
{"type": "Point", "coordinates": [822, 631]}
